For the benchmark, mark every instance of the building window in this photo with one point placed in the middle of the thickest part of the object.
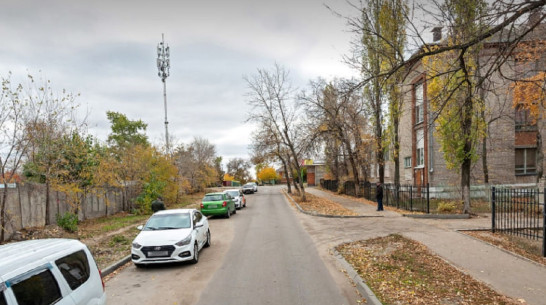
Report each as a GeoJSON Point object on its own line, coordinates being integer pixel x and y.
{"type": "Point", "coordinates": [420, 150]}
{"type": "Point", "coordinates": [419, 112]}
{"type": "Point", "coordinates": [420, 157]}
{"type": "Point", "coordinates": [523, 119]}
{"type": "Point", "coordinates": [526, 161]}
{"type": "Point", "coordinates": [407, 162]}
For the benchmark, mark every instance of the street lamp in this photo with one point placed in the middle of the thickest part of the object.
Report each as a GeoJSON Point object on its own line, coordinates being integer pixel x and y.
{"type": "Point", "coordinates": [163, 65]}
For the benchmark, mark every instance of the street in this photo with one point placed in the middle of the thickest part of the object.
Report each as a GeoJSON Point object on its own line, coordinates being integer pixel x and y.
{"type": "Point", "coordinates": [261, 255]}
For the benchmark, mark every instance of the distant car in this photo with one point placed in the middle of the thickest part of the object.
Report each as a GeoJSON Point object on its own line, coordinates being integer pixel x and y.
{"type": "Point", "coordinates": [238, 197]}
{"type": "Point", "coordinates": [218, 204]}
{"type": "Point", "coordinates": [255, 186]}
{"type": "Point", "coordinates": [49, 271]}
{"type": "Point", "coordinates": [171, 236]}
{"type": "Point", "coordinates": [248, 188]}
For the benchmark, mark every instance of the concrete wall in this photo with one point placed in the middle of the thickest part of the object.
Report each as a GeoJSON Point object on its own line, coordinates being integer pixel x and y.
{"type": "Point", "coordinates": [26, 205]}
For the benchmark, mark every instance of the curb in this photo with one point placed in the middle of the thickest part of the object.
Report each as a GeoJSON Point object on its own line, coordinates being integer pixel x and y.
{"type": "Point", "coordinates": [325, 215]}
{"type": "Point", "coordinates": [461, 231]}
{"type": "Point", "coordinates": [360, 285]}
{"type": "Point", "coordinates": [108, 270]}
{"type": "Point", "coordinates": [438, 216]}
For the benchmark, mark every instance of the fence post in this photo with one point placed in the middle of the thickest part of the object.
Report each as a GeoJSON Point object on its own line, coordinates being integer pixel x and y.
{"type": "Point", "coordinates": [428, 198]}
{"type": "Point", "coordinates": [493, 208]}
{"type": "Point", "coordinates": [544, 225]}
{"type": "Point", "coordinates": [411, 198]}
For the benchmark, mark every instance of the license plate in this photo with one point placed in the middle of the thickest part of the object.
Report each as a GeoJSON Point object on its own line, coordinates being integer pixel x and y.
{"type": "Point", "coordinates": [212, 206]}
{"type": "Point", "coordinates": [157, 253]}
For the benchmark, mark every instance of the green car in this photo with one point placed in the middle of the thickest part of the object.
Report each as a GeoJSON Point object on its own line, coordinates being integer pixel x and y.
{"type": "Point", "coordinates": [218, 204]}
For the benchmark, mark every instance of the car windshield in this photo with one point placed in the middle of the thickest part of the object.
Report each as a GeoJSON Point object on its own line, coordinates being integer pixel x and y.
{"type": "Point", "coordinates": [233, 193]}
{"type": "Point", "coordinates": [248, 185]}
{"type": "Point", "coordinates": [212, 198]}
{"type": "Point", "coordinates": [168, 222]}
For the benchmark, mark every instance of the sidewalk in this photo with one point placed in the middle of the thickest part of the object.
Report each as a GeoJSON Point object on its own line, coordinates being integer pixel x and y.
{"type": "Point", "coordinates": [507, 273]}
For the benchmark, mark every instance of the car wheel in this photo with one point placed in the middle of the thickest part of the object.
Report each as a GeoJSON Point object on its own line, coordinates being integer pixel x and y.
{"type": "Point", "coordinates": [195, 258]}
{"type": "Point", "coordinates": [140, 265]}
{"type": "Point", "coordinates": [207, 243]}
{"type": "Point", "coordinates": [234, 211]}
{"type": "Point", "coordinates": [228, 213]}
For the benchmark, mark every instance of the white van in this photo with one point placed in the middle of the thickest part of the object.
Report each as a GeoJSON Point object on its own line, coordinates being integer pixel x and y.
{"type": "Point", "coordinates": [49, 271]}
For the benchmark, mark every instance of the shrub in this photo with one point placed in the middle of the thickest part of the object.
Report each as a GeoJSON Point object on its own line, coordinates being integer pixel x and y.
{"type": "Point", "coordinates": [68, 221]}
{"type": "Point", "coordinates": [446, 207]}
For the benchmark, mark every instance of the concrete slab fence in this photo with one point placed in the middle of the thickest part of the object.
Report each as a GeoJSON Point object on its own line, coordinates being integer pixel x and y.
{"type": "Point", "coordinates": [26, 205]}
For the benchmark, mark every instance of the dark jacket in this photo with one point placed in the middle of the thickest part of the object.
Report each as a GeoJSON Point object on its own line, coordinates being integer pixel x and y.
{"type": "Point", "coordinates": [379, 192]}
{"type": "Point", "coordinates": [157, 205]}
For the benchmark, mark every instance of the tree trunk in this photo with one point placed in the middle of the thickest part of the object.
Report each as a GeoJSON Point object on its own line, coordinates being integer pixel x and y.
{"type": "Point", "coordinates": [336, 164]}
{"type": "Point", "coordinates": [466, 164]}
{"type": "Point", "coordinates": [287, 174]}
{"type": "Point", "coordinates": [3, 211]}
{"type": "Point", "coordinates": [484, 160]}
{"type": "Point", "coordinates": [396, 154]}
{"type": "Point", "coordinates": [47, 204]}
{"type": "Point", "coordinates": [354, 167]}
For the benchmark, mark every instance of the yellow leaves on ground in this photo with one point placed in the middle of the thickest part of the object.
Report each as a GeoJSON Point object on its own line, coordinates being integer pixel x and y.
{"type": "Point", "coordinates": [324, 206]}
{"type": "Point", "coordinates": [402, 271]}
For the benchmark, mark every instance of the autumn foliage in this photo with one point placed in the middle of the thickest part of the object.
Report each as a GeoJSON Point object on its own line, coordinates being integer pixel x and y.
{"type": "Point", "coordinates": [268, 173]}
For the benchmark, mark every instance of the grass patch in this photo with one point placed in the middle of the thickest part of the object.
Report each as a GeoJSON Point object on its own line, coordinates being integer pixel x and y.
{"type": "Point", "coordinates": [114, 223]}
{"type": "Point", "coordinates": [402, 271]}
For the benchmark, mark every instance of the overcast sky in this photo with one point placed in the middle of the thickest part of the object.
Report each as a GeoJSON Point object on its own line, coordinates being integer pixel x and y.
{"type": "Point", "coordinates": [106, 51]}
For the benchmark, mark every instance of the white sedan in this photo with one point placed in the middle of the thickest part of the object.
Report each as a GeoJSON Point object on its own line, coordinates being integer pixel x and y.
{"type": "Point", "coordinates": [171, 236]}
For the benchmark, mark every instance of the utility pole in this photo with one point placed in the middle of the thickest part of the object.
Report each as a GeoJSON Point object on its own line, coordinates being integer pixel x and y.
{"type": "Point", "coordinates": [163, 65]}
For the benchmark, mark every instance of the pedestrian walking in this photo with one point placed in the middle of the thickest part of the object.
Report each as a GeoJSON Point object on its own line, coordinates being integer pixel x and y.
{"type": "Point", "coordinates": [158, 205]}
{"type": "Point", "coordinates": [379, 196]}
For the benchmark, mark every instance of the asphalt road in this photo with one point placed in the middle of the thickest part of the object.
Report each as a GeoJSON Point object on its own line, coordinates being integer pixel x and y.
{"type": "Point", "coordinates": [261, 255]}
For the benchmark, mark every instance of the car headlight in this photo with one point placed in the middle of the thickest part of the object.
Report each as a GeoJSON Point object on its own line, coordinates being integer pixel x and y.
{"type": "Point", "coordinates": [185, 241]}
{"type": "Point", "coordinates": [136, 245]}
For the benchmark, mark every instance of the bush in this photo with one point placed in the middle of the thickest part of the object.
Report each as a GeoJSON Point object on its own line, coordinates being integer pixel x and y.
{"type": "Point", "coordinates": [68, 221]}
{"type": "Point", "coordinates": [447, 207]}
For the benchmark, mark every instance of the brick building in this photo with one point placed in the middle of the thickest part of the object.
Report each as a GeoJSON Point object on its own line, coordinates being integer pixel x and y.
{"type": "Point", "coordinates": [511, 143]}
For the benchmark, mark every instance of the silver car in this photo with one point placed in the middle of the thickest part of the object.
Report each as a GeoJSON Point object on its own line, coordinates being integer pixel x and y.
{"type": "Point", "coordinates": [248, 188]}
{"type": "Point", "coordinates": [238, 197]}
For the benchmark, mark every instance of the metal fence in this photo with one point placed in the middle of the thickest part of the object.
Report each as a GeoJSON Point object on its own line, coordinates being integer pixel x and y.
{"type": "Point", "coordinates": [406, 197]}
{"type": "Point", "coordinates": [519, 212]}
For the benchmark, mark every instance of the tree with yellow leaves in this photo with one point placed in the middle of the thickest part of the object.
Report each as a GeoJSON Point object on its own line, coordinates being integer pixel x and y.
{"type": "Point", "coordinates": [530, 96]}
{"type": "Point", "coordinates": [267, 174]}
{"type": "Point", "coordinates": [452, 86]}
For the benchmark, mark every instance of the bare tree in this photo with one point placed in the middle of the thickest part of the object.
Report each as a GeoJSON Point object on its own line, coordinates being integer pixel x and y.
{"type": "Point", "coordinates": [273, 103]}
{"type": "Point", "coordinates": [13, 141]}
{"type": "Point", "coordinates": [267, 147]}
{"type": "Point", "coordinates": [338, 115]}
{"type": "Point", "coordinates": [196, 163]}
{"type": "Point", "coordinates": [239, 168]}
